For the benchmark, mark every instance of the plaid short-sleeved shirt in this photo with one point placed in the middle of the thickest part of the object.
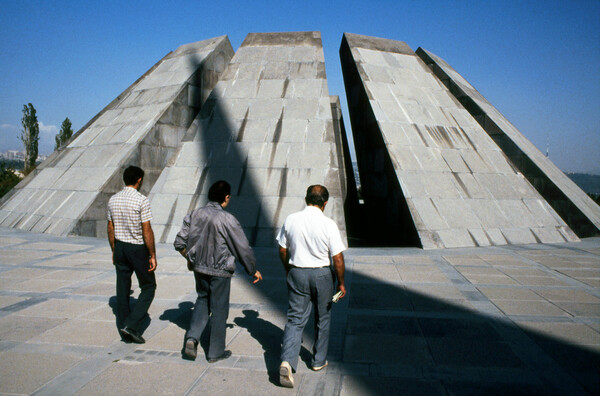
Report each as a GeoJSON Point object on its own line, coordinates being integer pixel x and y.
{"type": "Point", "coordinates": [128, 209]}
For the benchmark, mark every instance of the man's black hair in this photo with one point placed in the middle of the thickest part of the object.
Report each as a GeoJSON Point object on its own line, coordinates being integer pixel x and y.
{"type": "Point", "coordinates": [218, 191]}
{"type": "Point", "coordinates": [316, 195]}
{"type": "Point", "coordinates": [132, 174]}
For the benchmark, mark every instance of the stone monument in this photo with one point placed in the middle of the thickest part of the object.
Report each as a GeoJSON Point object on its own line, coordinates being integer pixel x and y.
{"type": "Point", "coordinates": [68, 193]}
{"type": "Point", "coordinates": [267, 128]}
{"type": "Point", "coordinates": [431, 176]}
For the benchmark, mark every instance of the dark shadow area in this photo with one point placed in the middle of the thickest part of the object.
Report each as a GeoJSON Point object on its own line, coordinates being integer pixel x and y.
{"type": "Point", "coordinates": [385, 216]}
{"type": "Point", "coordinates": [458, 350]}
{"type": "Point", "coordinates": [269, 336]}
{"type": "Point", "coordinates": [219, 142]}
{"type": "Point", "coordinates": [180, 316]}
{"type": "Point", "coordinates": [353, 210]}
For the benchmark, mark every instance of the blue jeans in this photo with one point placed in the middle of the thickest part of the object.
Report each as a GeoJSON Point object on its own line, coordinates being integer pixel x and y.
{"type": "Point", "coordinates": [307, 287]}
{"type": "Point", "coordinates": [213, 301]}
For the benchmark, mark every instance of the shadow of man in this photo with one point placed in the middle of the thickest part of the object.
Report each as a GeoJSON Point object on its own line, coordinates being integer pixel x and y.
{"type": "Point", "coordinates": [269, 336]}
{"type": "Point", "coordinates": [180, 316]}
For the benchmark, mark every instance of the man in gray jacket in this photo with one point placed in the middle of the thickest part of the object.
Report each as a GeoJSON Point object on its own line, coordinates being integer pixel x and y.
{"type": "Point", "coordinates": [211, 239]}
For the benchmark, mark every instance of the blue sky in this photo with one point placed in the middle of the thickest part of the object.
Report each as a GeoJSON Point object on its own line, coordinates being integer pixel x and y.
{"type": "Point", "coordinates": [538, 62]}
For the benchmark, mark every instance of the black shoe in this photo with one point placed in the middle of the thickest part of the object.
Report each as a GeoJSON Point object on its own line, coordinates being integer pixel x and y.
{"type": "Point", "coordinates": [132, 335]}
{"type": "Point", "coordinates": [190, 349]}
{"type": "Point", "coordinates": [224, 356]}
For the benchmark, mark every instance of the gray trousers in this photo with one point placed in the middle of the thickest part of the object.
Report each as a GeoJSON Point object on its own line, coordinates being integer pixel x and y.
{"type": "Point", "coordinates": [213, 301]}
{"type": "Point", "coordinates": [307, 287]}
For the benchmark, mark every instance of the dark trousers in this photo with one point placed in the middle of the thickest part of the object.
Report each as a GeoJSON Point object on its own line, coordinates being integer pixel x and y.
{"type": "Point", "coordinates": [213, 301]}
{"type": "Point", "coordinates": [130, 258]}
{"type": "Point", "coordinates": [307, 288]}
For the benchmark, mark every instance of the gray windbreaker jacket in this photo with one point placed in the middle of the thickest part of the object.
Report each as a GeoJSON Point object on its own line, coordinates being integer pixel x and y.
{"type": "Point", "coordinates": [214, 239]}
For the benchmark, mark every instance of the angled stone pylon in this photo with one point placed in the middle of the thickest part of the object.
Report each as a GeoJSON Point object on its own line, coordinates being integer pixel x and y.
{"type": "Point", "coordinates": [267, 129]}
{"type": "Point", "coordinates": [68, 193]}
{"type": "Point", "coordinates": [431, 176]}
{"type": "Point", "coordinates": [577, 209]}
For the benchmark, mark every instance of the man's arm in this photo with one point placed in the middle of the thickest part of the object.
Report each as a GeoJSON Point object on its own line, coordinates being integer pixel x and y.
{"type": "Point", "coordinates": [180, 243]}
{"type": "Point", "coordinates": [148, 235]}
{"type": "Point", "coordinates": [339, 267]}
{"type": "Point", "coordinates": [240, 248]}
{"type": "Point", "coordinates": [110, 228]}
{"type": "Point", "coordinates": [285, 259]}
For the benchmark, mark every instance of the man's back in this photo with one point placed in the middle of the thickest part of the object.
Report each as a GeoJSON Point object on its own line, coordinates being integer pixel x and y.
{"type": "Point", "coordinates": [213, 239]}
{"type": "Point", "coordinates": [128, 209]}
{"type": "Point", "coordinates": [311, 237]}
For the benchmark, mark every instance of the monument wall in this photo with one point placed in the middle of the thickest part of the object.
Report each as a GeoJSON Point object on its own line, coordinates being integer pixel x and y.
{"type": "Point", "coordinates": [431, 176]}
{"type": "Point", "coordinates": [574, 206]}
{"type": "Point", "coordinates": [267, 128]}
{"type": "Point", "coordinates": [68, 193]}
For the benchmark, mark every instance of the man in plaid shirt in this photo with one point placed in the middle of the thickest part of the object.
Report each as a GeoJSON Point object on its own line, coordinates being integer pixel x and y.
{"type": "Point", "coordinates": [132, 242]}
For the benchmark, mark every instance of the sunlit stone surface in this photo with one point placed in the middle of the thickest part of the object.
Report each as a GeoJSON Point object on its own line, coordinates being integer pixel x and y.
{"type": "Point", "coordinates": [431, 176]}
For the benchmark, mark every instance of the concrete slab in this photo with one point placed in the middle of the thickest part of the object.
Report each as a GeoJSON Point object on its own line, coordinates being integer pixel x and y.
{"type": "Point", "coordinates": [21, 328]}
{"type": "Point", "coordinates": [24, 373]}
{"type": "Point", "coordinates": [116, 379]}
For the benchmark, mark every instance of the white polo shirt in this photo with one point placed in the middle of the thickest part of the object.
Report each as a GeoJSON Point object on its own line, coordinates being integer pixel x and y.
{"type": "Point", "coordinates": [310, 238]}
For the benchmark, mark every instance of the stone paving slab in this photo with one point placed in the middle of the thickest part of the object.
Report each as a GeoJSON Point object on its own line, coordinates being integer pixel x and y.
{"type": "Point", "coordinates": [494, 320]}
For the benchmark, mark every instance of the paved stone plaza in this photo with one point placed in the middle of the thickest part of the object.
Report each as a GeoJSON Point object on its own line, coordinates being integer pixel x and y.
{"type": "Point", "coordinates": [518, 319]}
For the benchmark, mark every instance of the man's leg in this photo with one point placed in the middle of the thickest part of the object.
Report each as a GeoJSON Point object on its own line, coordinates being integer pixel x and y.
{"type": "Point", "coordinates": [200, 313]}
{"type": "Point", "coordinates": [219, 310]}
{"type": "Point", "coordinates": [322, 289]}
{"type": "Point", "coordinates": [123, 272]}
{"type": "Point", "coordinates": [297, 314]}
{"type": "Point", "coordinates": [138, 257]}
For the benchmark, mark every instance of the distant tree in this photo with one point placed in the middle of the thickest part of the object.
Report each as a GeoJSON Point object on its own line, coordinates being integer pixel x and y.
{"type": "Point", "coordinates": [8, 179]}
{"type": "Point", "coordinates": [11, 163]}
{"type": "Point", "coordinates": [30, 136]}
{"type": "Point", "coordinates": [64, 135]}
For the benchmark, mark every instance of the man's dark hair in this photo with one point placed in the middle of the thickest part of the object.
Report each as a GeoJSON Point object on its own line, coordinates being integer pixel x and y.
{"type": "Point", "coordinates": [316, 195]}
{"type": "Point", "coordinates": [218, 191]}
{"type": "Point", "coordinates": [132, 174]}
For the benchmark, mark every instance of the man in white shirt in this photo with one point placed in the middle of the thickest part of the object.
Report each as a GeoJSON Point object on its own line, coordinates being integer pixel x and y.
{"type": "Point", "coordinates": [307, 240]}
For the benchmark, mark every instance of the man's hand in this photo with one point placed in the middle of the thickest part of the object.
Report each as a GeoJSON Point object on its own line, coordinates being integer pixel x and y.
{"type": "Point", "coordinates": [153, 264]}
{"type": "Point", "coordinates": [341, 288]}
{"type": "Point", "coordinates": [257, 277]}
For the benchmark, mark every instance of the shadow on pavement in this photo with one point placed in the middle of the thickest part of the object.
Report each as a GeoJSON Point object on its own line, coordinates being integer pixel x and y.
{"type": "Point", "coordinates": [269, 336]}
